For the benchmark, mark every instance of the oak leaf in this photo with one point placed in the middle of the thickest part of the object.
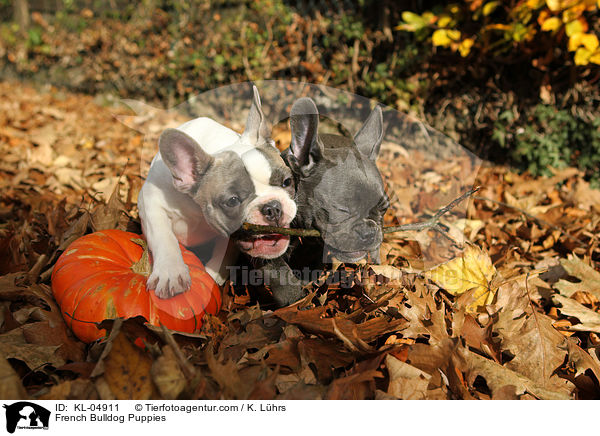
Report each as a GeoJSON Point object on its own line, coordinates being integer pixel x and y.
{"type": "Point", "coordinates": [590, 278]}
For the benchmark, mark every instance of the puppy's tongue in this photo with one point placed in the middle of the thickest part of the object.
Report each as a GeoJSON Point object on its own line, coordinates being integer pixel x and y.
{"type": "Point", "coordinates": [266, 246]}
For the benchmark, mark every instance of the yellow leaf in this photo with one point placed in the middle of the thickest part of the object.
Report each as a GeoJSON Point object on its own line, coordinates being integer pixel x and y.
{"type": "Point", "coordinates": [551, 24]}
{"type": "Point", "coordinates": [573, 13]}
{"type": "Point", "coordinates": [473, 269]}
{"type": "Point", "coordinates": [535, 4]}
{"type": "Point", "coordinates": [554, 5]}
{"type": "Point", "coordinates": [595, 58]}
{"type": "Point", "coordinates": [575, 41]}
{"type": "Point", "coordinates": [582, 56]}
{"type": "Point", "coordinates": [490, 7]}
{"type": "Point", "coordinates": [505, 27]}
{"type": "Point", "coordinates": [465, 47]}
{"type": "Point", "coordinates": [589, 41]}
{"type": "Point", "coordinates": [444, 37]}
{"type": "Point", "coordinates": [454, 34]}
{"type": "Point", "coordinates": [444, 21]}
{"type": "Point", "coordinates": [574, 27]}
{"type": "Point", "coordinates": [543, 16]}
{"type": "Point", "coordinates": [440, 38]}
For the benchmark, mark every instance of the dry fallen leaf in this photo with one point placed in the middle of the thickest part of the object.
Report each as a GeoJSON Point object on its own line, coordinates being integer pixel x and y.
{"type": "Point", "coordinates": [473, 269]}
{"type": "Point", "coordinates": [11, 387]}
{"type": "Point", "coordinates": [406, 381]}
{"type": "Point", "coordinates": [109, 215]}
{"type": "Point", "coordinates": [589, 320]}
{"type": "Point", "coordinates": [498, 376]}
{"type": "Point", "coordinates": [123, 369]}
{"type": "Point", "coordinates": [15, 346]}
{"type": "Point", "coordinates": [538, 348]}
{"type": "Point", "coordinates": [590, 278]}
{"type": "Point", "coordinates": [72, 390]}
{"type": "Point", "coordinates": [167, 376]}
{"type": "Point", "coordinates": [313, 321]}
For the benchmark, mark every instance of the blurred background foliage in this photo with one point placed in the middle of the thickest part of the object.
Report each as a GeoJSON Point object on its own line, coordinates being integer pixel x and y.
{"type": "Point", "coordinates": [514, 81]}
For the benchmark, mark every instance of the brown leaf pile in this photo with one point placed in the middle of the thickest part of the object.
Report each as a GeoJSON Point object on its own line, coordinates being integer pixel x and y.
{"type": "Point", "coordinates": [385, 336]}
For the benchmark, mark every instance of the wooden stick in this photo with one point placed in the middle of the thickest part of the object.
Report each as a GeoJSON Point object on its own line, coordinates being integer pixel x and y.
{"type": "Point", "coordinates": [431, 223]}
{"type": "Point", "coordinates": [259, 229]}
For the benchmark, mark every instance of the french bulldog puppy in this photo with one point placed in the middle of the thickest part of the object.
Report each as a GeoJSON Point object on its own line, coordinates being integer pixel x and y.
{"type": "Point", "coordinates": [205, 181]}
{"type": "Point", "coordinates": [339, 191]}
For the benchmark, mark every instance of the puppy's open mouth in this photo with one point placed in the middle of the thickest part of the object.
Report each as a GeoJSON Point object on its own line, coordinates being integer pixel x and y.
{"type": "Point", "coordinates": [267, 246]}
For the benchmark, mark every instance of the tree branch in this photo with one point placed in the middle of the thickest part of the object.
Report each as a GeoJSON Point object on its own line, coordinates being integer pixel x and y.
{"type": "Point", "coordinates": [432, 223]}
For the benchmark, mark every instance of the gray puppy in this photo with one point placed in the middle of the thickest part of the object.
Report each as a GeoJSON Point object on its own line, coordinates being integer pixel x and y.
{"type": "Point", "coordinates": [339, 191]}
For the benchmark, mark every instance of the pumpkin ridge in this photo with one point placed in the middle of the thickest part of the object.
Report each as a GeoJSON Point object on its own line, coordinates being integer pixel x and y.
{"type": "Point", "coordinates": [79, 301]}
{"type": "Point", "coordinates": [94, 244]}
{"type": "Point", "coordinates": [89, 291]}
{"type": "Point", "coordinates": [85, 250]}
{"type": "Point", "coordinates": [195, 317]}
{"type": "Point", "coordinates": [83, 279]}
{"type": "Point", "coordinates": [119, 243]}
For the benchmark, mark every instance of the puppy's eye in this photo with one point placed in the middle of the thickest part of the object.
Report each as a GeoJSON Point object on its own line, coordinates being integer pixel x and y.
{"type": "Point", "coordinates": [287, 182]}
{"type": "Point", "coordinates": [232, 201]}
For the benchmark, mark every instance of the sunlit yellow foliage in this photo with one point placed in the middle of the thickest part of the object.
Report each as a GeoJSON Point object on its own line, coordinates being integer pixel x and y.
{"type": "Point", "coordinates": [496, 27]}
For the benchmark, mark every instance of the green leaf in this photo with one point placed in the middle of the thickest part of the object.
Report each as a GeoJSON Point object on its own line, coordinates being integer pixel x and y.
{"type": "Point", "coordinates": [411, 17]}
{"type": "Point", "coordinates": [412, 22]}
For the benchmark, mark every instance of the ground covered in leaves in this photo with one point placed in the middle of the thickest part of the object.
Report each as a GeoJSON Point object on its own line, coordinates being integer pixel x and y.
{"type": "Point", "coordinates": [520, 322]}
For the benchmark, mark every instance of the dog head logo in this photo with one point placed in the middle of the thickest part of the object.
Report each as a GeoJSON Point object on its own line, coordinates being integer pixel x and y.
{"type": "Point", "coordinates": [26, 415]}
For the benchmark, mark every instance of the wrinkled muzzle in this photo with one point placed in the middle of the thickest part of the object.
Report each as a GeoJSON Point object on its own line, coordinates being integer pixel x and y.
{"type": "Point", "coordinates": [277, 210]}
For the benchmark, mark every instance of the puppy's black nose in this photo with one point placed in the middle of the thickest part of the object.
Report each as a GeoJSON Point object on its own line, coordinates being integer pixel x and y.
{"type": "Point", "coordinates": [272, 211]}
{"type": "Point", "coordinates": [367, 231]}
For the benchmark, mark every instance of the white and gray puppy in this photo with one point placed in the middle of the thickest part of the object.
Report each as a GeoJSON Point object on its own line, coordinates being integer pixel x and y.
{"type": "Point", "coordinates": [205, 181]}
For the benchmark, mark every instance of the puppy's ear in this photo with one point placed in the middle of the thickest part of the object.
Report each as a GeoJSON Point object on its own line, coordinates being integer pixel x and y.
{"type": "Point", "coordinates": [368, 138]}
{"type": "Point", "coordinates": [184, 157]}
{"type": "Point", "coordinates": [258, 129]}
{"type": "Point", "coordinates": [305, 149]}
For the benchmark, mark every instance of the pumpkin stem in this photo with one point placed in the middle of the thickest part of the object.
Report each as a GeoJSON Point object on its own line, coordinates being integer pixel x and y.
{"type": "Point", "coordinates": [142, 266]}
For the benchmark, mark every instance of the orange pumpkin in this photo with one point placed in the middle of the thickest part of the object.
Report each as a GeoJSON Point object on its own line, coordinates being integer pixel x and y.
{"type": "Point", "coordinates": [103, 276]}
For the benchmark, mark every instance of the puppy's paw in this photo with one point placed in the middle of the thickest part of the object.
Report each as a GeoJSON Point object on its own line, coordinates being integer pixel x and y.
{"type": "Point", "coordinates": [169, 281]}
{"type": "Point", "coordinates": [216, 275]}
{"type": "Point", "coordinates": [284, 295]}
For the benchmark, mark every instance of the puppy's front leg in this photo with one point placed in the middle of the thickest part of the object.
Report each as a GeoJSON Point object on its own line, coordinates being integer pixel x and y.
{"type": "Point", "coordinates": [170, 275]}
{"type": "Point", "coordinates": [224, 254]}
{"type": "Point", "coordinates": [285, 286]}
